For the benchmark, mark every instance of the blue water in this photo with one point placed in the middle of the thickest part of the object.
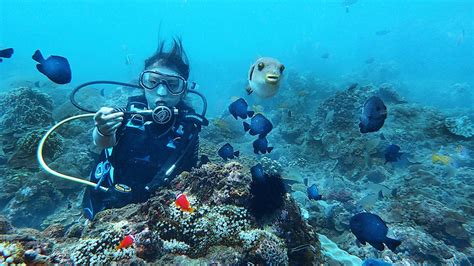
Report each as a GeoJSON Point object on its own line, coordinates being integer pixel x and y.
{"type": "Point", "coordinates": [430, 42]}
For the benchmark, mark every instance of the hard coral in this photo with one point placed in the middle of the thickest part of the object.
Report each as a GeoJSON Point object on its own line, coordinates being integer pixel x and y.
{"type": "Point", "coordinates": [25, 108]}
{"type": "Point", "coordinates": [264, 247]}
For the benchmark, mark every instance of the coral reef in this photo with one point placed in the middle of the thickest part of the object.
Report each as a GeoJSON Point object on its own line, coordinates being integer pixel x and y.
{"type": "Point", "coordinates": [220, 230]}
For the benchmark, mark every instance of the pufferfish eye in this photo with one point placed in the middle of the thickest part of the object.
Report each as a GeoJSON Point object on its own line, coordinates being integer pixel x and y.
{"type": "Point", "coordinates": [282, 67]}
{"type": "Point", "coordinates": [261, 66]}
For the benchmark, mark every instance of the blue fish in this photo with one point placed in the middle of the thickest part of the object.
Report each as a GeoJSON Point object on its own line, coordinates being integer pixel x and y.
{"type": "Point", "coordinates": [261, 145]}
{"type": "Point", "coordinates": [370, 228]}
{"type": "Point", "coordinates": [239, 108]}
{"type": "Point", "coordinates": [259, 125]}
{"type": "Point", "coordinates": [257, 172]}
{"type": "Point", "coordinates": [375, 262]}
{"type": "Point", "coordinates": [227, 152]}
{"type": "Point", "coordinates": [6, 53]}
{"type": "Point", "coordinates": [392, 153]}
{"type": "Point", "coordinates": [56, 68]}
{"type": "Point", "coordinates": [313, 193]}
{"type": "Point", "coordinates": [373, 116]}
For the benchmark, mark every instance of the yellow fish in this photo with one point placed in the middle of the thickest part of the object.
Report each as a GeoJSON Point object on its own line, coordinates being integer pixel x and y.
{"type": "Point", "coordinates": [442, 159]}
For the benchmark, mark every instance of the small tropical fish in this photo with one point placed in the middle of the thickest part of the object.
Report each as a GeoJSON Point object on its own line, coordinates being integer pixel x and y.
{"type": "Point", "coordinates": [264, 77]}
{"type": "Point", "coordinates": [204, 159]}
{"type": "Point", "coordinates": [373, 115]}
{"type": "Point", "coordinates": [392, 153]}
{"type": "Point", "coordinates": [239, 108]}
{"type": "Point", "coordinates": [6, 53]}
{"type": "Point", "coordinates": [370, 228]}
{"type": "Point", "coordinates": [369, 201]}
{"type": "Point", "coordinates": [227, 152]}
{"type": "Point", "coordinates": [375, 262]}
{"type": "Point", "coordinates": [313, 193]}
{"type": "Point", "coordinates": [261, 145]}
{"type": "Point", "coordinates": [441, 159]}
{"type": "Point", "coordinates": [183, 204]}
{"type": "Point", "coordinates": [56, 68]}
{"type": "Point", "coordinates": [126, 242]}
{"type": "Point", "coordinates": [257, 172]}
{"type": "Point", "coordinates": [259, 125]}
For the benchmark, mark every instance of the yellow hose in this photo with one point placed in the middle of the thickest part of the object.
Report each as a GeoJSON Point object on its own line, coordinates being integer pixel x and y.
{"type": "Point", "coordinates": [45, 167]}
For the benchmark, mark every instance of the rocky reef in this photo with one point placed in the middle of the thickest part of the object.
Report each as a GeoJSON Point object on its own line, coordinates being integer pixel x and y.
{"type": "Point", "coordinates": [220, 230]}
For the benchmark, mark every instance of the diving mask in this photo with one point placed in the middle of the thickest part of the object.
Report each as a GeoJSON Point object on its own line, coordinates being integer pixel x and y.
{"type": "Point", "coordinates": [150, 79]}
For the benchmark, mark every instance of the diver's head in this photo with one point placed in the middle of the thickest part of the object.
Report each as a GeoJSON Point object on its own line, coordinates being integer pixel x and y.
{"type": "Point", "coordinates": [165, 76]}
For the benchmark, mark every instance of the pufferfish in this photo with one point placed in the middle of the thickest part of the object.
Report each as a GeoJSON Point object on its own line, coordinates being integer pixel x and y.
{"type": "Point", "coordinates": [264, 77]}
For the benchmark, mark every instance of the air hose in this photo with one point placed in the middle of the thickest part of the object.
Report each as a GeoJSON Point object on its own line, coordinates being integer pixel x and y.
{"type": "Point", "coordinates": [43, 164]}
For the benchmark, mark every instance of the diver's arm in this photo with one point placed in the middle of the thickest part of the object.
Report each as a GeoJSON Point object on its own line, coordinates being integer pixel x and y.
{"type": "Point", "coordinates": [106, 124]}
{"type": "Point", "coordinates": [103, 141]}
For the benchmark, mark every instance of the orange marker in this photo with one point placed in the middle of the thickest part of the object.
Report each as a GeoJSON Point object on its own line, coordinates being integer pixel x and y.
{"type": "Point", "coordinates": [183, 203]}
{"type": "Point", "coordinates": [126, 242]}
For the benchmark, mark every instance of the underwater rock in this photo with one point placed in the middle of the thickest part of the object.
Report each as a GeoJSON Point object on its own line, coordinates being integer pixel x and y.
{"type": "Point", "coordinates": [460, 126]}
{"type": "Point", "coordinates": [74, 231]}
{"type": "Point", "coordinates": [377, 175]}
{"type": "Point", "coordinates": [32, 203]}
{"type": "Point", "coordinates": [54, 231]}
{"type": "Point", "coordinates": [5, 226]}
{"type": "Point", "coordinates": [440, 221]}
{"type": "Point", "coordinates": [388, 94]}
{"type": "Point", "coordinates": [423, 248]}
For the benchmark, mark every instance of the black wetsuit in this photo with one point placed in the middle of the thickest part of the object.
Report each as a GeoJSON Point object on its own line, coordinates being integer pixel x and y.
{"type": "Point", "coordinates": [144, 153]}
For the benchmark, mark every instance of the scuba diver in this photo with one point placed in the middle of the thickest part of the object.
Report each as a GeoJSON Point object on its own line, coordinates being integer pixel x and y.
{"type": "Point", "coordinates": [143, 152]}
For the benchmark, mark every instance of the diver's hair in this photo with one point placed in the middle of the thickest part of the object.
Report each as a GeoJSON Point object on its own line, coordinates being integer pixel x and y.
{"type": "Point", "coordinates": [175, 59]}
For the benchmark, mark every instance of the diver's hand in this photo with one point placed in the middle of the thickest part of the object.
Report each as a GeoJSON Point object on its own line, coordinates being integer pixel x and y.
{"type": "Point", "coordinates": [107, 121]}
